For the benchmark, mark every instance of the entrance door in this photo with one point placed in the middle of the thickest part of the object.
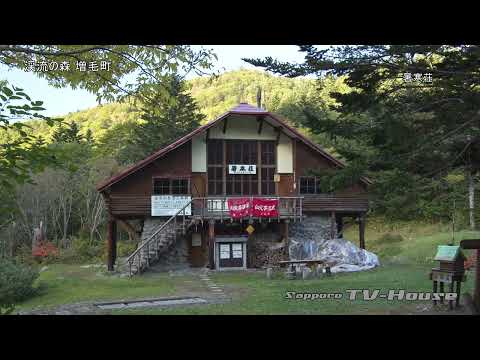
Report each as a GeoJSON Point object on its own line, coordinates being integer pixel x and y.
{"type": "Point", "coordinates": [231, 254]}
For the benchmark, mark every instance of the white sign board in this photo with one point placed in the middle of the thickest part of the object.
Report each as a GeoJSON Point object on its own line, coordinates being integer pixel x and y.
{"type": "Point", "coordinates": [242, 169]}
{"type": "Point", "coordinates": [168, 205]}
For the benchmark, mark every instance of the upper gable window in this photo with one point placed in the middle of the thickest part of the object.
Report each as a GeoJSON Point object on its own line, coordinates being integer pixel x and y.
{"type": "Point", "coordinates": [171, 186]}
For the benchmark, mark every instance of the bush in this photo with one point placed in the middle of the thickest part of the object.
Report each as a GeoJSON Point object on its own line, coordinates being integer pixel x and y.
{"type": "Point", "coordinates": [86, 249]}
{"type": "Point", "coordinates": [16, 283]}
{"type": "Point", "coordinates": [389, 238]}
{"type": "Point", "coordinates": [45, 252]}
{"type": "Point", "coordinates": [125, 248]}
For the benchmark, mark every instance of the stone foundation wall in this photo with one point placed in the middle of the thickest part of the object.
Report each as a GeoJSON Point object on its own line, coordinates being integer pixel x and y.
{"type": "Point", "coordinates": [305, 236]}
{"type": "Point", "coordinates": [177, 255]}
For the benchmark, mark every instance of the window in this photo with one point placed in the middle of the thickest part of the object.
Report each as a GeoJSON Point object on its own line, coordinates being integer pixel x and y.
{"type": "Point", "coordinates": [268, 153]}
{"type": "Point", "coordinates": [167, 186]}
{"type": "Point", "coordinates": [215, 152]}
{"type": "Point", "coordinates": [310, 185]}
{"type": "Point", "coordinates": [268, 167]}
{"type": "Point", "coordinates": [179, 186]}
{"type": "Point", "coordinates": [161, 186]}
{"type": "Point", "coordinates": [215, 180]}
{"type": "Point", "coordinates": [268, 183]}
{"type": "Point", "coordinates": [221, 153]}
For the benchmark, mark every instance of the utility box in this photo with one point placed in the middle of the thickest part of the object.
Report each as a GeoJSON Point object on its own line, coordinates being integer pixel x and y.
{"type": "Point", "coordinates": [450, 258]}
{"type": "Point", "coordinates": [450, 270]}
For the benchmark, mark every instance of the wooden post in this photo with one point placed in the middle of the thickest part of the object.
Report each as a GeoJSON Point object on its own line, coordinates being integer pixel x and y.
{"type": "Point", "coordinates": [476, 291]}
{"type": "Point", "coordinates": [333, 225]}
{"type": "Point", "coordinates": [114, 241]}
{"type": "Point", "coordinates": [284, 232]}
{"type": "Point", "coordinates": [339, 220]}
{"type": "Point", "coordinates": [474, 244]}
{"type": "Point", "coordinates": [361, 228]}
{"type": "Point", "coordinates": [110, 243]}
{"type": "Point", "coordinates": [211, 244]}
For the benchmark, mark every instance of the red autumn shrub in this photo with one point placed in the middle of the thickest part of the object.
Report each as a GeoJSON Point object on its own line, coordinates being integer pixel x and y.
{"type": "Point", "coordinates": [44, 250]}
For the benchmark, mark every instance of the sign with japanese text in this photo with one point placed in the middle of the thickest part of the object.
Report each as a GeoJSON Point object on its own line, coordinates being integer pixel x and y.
{"type": "Point", "coordinates": [239, 207]}
{"type": "Point", "coordinates": [235, 169]}
{"type": "Point", "coordinates": [265, 207]}
{"type": "Point", "coordinates": [257, 207]}
{"type": "Point", "coordinates": [168, 205]}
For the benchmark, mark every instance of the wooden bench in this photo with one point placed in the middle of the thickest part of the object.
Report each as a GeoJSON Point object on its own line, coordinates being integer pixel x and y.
{"type": "Point", "coordinates": [311, 264]}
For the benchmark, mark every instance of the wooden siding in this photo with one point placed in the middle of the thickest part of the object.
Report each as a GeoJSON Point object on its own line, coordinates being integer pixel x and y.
{"type": "Point", "coordinates": [317, 203]}
{"type": "Point", "coordinates": [306, 159]}
{"type": "Point", "coordinates": [176, 163]}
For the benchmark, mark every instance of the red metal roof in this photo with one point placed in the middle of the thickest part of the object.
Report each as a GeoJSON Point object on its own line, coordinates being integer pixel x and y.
{"type": "Point", "coordinates": [241, 109]}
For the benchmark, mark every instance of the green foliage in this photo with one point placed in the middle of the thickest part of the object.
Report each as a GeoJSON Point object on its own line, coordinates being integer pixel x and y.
{"type": "Point", "coordinates": [125, 248]}
{"type": "Point", "coordinates": [16, 284]}
{"type": "Point", "coordinates": [409, 133]}
{"type": "Point", "coordinates": [21, 152]}
{"type": "Point", "coordinates": [69, 134]}
{"type": "Point", "coordinates": [86, 250]}
{"type": "Point", "coordinates": [162, 121]}
{"type": "Point", "coordinates": [132, 71]}
{"type": "Point", "coordinates": [389, 238]}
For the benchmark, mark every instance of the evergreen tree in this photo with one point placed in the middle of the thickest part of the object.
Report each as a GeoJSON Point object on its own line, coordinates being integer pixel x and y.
{"type": "Point", "coordinates": [409, 117]}
{"type": "Point", "coordinates": [68, 134]}
{"type": "Point", "coordinates": [164, 119]}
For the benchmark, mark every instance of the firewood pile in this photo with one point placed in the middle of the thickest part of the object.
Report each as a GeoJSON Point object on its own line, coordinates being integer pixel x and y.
{"type": "Point", "coordinates": [266, 254]}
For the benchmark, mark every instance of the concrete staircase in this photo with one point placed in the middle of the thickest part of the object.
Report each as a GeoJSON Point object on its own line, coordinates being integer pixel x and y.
{"type": "Point", "coordinates": [155, 243]}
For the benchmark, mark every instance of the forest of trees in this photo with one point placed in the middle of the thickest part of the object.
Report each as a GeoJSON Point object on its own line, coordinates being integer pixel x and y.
{"type": "Point", "coordinates": [351, 112]}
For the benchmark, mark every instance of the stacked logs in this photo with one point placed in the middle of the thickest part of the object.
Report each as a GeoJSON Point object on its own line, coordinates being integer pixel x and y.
{"type": "Point", "coordinates": [264, 254]}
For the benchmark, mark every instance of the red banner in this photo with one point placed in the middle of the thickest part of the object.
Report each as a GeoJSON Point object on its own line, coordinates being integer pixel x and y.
{"type": "Point", "coordinates": [265, 207]}
{"type": "Point", "coordinates": [239, 207]}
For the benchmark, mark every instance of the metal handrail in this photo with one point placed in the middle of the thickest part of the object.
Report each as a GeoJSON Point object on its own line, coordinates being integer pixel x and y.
{"type": "Point", "coordinates": [158, 230]}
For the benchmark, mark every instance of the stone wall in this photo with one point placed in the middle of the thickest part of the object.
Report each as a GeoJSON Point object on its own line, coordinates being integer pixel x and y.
{"type": "Point", "coordinates": [305, 237]}
{"type": "Point", "coordinates": [312, 239]}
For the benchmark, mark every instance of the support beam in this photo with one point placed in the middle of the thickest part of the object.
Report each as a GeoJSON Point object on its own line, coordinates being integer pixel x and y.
{"type": "Point", "coordinates": [211, 244]}
{"type": "Point", "coordinates": [260, 124]}
{"type": "Point", "coordinates": [279, 132]}
{"type": "Point", "coordinates": [361, 228]}
{"type": "Point", "coordinates": [285, 236]}
{"type": "Point", "coordinates": [333, 225]}
{"type": "Point", "coordinates": [132, 233]}
{"type": "Point", "coordinates": [225, 124]}
{"type": "Point", "coordinates": [339, 220]}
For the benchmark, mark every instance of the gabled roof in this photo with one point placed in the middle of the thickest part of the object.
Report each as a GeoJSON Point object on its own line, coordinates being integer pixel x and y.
{"type": "Point", "coordinates": [241, 109]}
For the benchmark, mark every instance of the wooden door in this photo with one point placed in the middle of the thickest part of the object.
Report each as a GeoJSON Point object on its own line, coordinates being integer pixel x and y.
{"type": "Point", "coordinates": [231, 254]}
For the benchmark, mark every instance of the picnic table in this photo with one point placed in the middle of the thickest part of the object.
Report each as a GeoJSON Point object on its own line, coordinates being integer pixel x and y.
{"type": "Point", "coordinates": [312, 264]}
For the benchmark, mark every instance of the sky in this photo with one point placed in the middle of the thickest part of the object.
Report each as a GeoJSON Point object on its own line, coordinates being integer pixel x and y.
{"type": "Point", "coordinates": [62, 101]}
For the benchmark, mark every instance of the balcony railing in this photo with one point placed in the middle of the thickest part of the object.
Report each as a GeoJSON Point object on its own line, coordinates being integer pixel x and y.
{"type": "Point", "coordinates": [216, 207]}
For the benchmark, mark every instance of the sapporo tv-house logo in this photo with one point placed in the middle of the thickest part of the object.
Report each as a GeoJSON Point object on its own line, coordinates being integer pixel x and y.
{"type": "Point", "coordinates": [370, 295]}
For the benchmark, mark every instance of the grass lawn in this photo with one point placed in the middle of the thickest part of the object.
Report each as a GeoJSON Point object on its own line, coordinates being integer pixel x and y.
{"type": "Point", "coordinates": [254, 294]}
{"type": "Point", "coordinates": [64, 284]}
{"type": "Point", "coordinates": [405, 265]}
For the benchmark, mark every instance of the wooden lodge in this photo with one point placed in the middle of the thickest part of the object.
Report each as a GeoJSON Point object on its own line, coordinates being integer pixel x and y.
{"type": "Point", "coordinates": [247, 153]}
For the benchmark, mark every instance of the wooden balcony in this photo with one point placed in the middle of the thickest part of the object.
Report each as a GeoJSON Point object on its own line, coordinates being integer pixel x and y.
{"type": "Point", "coordinates": [216, 207]}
